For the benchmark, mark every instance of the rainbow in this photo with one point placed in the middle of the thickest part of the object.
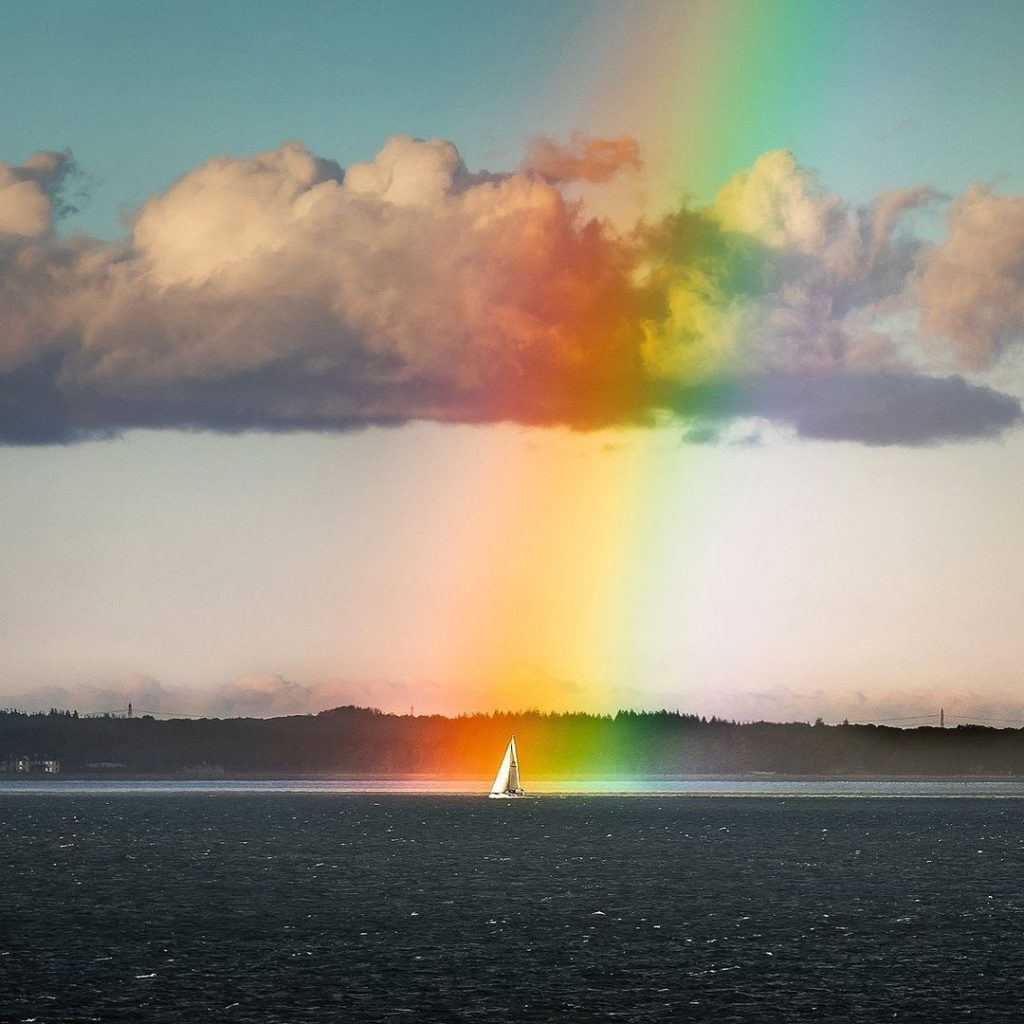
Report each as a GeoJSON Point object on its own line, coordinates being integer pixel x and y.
{"type": "Point", "coordinates": [582, 536]}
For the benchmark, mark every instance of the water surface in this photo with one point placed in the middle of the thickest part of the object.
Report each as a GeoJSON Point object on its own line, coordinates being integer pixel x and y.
{"type": "Point", "coordinates": [290, 907]}
{"type": "Point", "coordinates": [39, 786]}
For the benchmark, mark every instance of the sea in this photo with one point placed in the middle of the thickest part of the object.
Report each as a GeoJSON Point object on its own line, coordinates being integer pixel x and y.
{"type": "Point", "coordinates": [312, 902]}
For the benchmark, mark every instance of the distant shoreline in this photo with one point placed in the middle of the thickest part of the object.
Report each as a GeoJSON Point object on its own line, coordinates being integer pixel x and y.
{"type": "Point", "coordinates": [632, 747]}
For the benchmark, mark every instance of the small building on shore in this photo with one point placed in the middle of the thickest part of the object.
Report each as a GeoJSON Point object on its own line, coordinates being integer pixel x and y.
{"type": "Point", "coordinates": [19, 764]}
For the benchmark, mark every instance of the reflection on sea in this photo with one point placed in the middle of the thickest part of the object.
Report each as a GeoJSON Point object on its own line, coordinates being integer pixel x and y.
{"type": "Point", "coordinates": [725, 787]}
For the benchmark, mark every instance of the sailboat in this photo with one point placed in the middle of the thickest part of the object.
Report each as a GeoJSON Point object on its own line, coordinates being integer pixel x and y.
{"type": "Point", "coordinates": [506, 782]}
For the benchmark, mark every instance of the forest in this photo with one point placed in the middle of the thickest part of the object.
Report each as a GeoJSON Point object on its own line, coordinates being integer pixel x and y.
{"type": "Point", "coordinates": [365, 741]}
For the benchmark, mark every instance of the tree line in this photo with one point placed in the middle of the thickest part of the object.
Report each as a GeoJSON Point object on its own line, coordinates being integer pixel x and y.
{"type": "Point", "coordinates": [629, 743]}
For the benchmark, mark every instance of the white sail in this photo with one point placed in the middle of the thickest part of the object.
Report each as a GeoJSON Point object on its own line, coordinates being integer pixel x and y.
{"type": "Point", "coordinates": [513, 767]}
{"type": "Point", "coordinates": [506, 782]}
{"type": "Point", "coordinates": [501, 779]}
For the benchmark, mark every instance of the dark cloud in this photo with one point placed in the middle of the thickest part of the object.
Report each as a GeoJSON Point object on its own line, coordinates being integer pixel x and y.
{"type": "Point", "coordinates": [33, 410]}
{"type": "Point", "coordinates": [878, 408]}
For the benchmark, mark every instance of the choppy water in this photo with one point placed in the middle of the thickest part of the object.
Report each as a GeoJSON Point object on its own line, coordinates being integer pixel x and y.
{"type": "Point", "coordinates": [300, 907]}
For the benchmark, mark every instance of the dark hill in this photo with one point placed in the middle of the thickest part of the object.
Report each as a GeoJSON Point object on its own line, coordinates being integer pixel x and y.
{"type": "Point", "coordinates": [363, 740]}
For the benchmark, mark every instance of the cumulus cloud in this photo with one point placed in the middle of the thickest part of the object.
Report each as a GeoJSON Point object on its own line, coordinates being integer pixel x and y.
{"type": "Point", "coordinates": [583, 159]}
{"type": "Point", "coordinates": [30, 194]}
{"type": "Point", "coordinates": [283, 292]}
{"type": "Point", "coordinates": [971, 287]}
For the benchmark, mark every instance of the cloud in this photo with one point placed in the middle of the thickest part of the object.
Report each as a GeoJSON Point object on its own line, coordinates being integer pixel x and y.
{"type": "Point", "coordinates": [267, 293]}
{"type": "Point", "coordinates": [870, 408]}
{"type": "Point", "coordinates": [904, 708]}
{"type": "Point", "coordinates": [282, 292]}
{"type": "Point", "coordinates": [30, 194]}
{"type": "Point", "coordinates": [776, 275]}
{"type": "Point", "coordinates": [780, 204]}
{"type": "Point", "coordinates": [145, 693]}
{"type": "Point", "coordinates": [250, 696]}
{"type": "Point", "coordinates": [583, 159]}
{"type": "Point", "coordinates": [971, 286]}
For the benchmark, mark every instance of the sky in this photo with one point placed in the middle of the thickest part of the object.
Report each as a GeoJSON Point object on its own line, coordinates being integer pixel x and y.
{"type": "Point", "coordinates": [464, 356]}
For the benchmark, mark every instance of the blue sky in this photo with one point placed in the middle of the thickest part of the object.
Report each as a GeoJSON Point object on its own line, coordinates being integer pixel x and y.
{"type": "Point", "coordinates": [144, 92]}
